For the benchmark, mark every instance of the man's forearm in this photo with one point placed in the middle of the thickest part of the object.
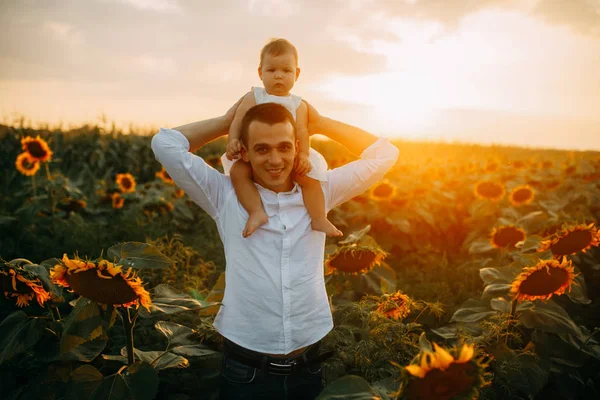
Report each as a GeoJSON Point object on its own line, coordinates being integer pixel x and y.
{"type": "Point", "coordinates": [201, 132]}
{"type": "Point", "coordinates": [354, 139]}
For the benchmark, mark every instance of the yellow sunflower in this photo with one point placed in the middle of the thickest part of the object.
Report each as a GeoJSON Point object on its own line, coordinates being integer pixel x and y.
{"type": "Point", "coordinates": [522, 195]}
{"type": "Point", "coordinates": [553, 184]}
{"type": "Point", "coordinates": [489, 190]}
{"type": "Point", "coordinates": [547, 164]}
{"type": "Point", "coordinates": [394, 306]}
{"type": "Point", "coordinates": [572, 240]}
{"type": "Point", "coordinates": [178, 193]}
{"type": "Point", "coordinates": [126, 182]}
{"type": "Point", "coordinates": [37, 148]}
{"type": "Point", "coordinates": [164, 176]}
{"type": "Point", "coordinates": [19, 283]}
{"type": "Point", "coordinates": [542, 281]}
{"type": "Point", "coordinates": [117, 200]}
{"type": "Point", "coordinates": [383, 190]}
{"type": "Point", "coordinates": [353, 259]}
{"type": "Point", "coordinates": [27, 165]}
{"type": "Point", "coordinates": [103, 282]}
{"type": "Point", "coordinates": [441, 376]}
{"type": "Point", "coordinates": [506, 236]}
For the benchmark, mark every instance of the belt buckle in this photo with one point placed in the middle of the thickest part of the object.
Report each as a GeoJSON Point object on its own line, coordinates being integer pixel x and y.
{"type": "Point", "coordinates": [282, 369]}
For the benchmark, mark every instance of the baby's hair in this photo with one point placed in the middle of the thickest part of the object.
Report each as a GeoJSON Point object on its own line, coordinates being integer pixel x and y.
{"type": "Point", "coordinates": [277, 47]}
{"type": "Point", "coordinates": [268, 113]}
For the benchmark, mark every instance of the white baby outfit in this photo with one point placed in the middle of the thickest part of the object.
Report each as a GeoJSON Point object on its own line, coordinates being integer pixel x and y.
{"type": "Point", "coordinates": [291, 102]}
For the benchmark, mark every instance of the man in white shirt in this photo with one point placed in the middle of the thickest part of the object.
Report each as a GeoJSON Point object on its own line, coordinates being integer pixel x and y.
{"type": "Point", "coordinates": [275, 308]}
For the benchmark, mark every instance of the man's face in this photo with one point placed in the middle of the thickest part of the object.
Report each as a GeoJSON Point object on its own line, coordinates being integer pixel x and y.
{"type": "Point", "coordinates": [279, 73]}
{"type": "Point", "coordinates": [271, 152]}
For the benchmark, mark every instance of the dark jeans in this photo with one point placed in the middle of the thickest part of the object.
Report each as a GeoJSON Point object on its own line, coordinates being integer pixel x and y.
{"type": "Point", "coordinates": [240, 381]}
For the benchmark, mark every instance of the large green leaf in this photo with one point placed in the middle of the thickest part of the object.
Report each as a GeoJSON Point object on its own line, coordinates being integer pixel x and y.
{"type": "Point", "coordinates": [18, 333]}
{"type": "Point", "coordinates": [349, 387]}
{"type": "Point", "coordinates": [481, 246]}
{"type": "Point", "coordinates": [496, 290]}
{"type": "Point", "coordinates": [381, 279]}
{"type": "Point", "coordinates": [472, 311]}
{"type": "Point", "coordinates": [84, 381]}
{"type": "Point", "coordinates": [85, 333]}
{"type": "Point", "coordinates": [522, 372]}
{"type": "Point", "coordinates": [549, 317]}
{"type": "Point", "coordinates": [215, 297]}
{"type": "Point", "coordinates": [167, 300]}
{"type": "Point", "coordinates": [159, 359]}
{"type": "Point", "coordinates": [137, 382]}
{"type": "Point", "coordinates": [139, 255]}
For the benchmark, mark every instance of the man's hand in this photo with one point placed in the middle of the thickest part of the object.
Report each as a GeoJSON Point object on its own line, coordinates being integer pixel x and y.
{"type": "Point", "coordinates": [234, 146]}
{"type": "Point", "coordinates": [302, 166]}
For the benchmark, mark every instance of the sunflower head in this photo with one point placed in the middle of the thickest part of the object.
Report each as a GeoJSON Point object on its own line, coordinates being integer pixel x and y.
{"type": "Point", "coordinates": [506, 236]}
{"type": "Point", "coordinates": [489, 190]}
{"type": "Point", "coordinates": [69, 204]}
{"type": "Point", "coordinates": [383, 190]}
{"type": "Point", "coordinates": [117, 200]}
{"type": "Point", "coordinates": [27, 165]}
{"type": "Point", "coordinates": [394, 306]}
{"type": "Point", "coordinates": [542, 281]}
{"type": "Point", "coordinates": [22, 286]}
{"type": "Point", "coordinates": [103, 282]}
{"type": "Point", "coordinates": [552, 184]}
{"type": "Point", "coordinates": [164, 176]}
{"type": "Point", "coordinates": [522, 195]}
{"type": "Point", "coordinates": [547, 164]}
{"type": "Point", "coordinates": [519, 164]}
{"type": "Point", "coordinates": [37, 148]}
{"type": "Point", "coordinates": [572, 240]}
{"type": "Point", "coordinates": [354, 259]}
{"type": "Point", "coordinates": [445, 375]}
{"type": "Point", "coordinates": [126, 182]}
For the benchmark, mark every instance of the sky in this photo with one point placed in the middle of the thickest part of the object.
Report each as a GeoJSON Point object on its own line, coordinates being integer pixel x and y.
{"type": "Point", "coordinates": [518, 72]}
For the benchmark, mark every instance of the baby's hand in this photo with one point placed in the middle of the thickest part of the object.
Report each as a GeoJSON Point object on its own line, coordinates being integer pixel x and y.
{"type": "Point", "coordinates": [234, 146]}
{"type": "Point", "coordinates": [303, 164]}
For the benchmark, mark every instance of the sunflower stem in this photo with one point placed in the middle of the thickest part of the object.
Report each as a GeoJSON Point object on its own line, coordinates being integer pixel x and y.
{"type": "Point", "coordinates": [48, 172]}
{"type": "Point", "coordinates": [513, 311]}
{"type": "Point", "coordinates": [128, 325]}
{"type": "Point", "coordinates": [50, 311]}
{"type": "Point", "coordinates": [513, 308]}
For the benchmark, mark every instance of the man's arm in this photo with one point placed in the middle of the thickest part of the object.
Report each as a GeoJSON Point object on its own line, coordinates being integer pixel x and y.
{"type": "Point", "coordinates": [172, 148]}
{"type": "Point", "coordinates": [354, 139]}
{"type": "Point", "coordinates": [377, 157]}
{"type": "Point", "coordinates": [201, 132]}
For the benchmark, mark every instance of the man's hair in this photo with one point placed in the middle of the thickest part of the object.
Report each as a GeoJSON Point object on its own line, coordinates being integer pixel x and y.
{"type": "Point", "coordinates": [277, 47]}
{"type": "Point", "coordinates": [268, 113]}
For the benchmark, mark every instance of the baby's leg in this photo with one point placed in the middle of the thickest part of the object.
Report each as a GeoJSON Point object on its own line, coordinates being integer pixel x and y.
{"type": "Point", "coordinates": [247, 193]}
{"type": "Point", "coordinates": [314, 200]}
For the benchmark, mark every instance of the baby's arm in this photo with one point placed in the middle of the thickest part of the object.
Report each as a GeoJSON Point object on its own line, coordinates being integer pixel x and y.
{"type": "Point", "coordinates": [303, 164]}
{"type": "Point", "coordinates": [234, 144]}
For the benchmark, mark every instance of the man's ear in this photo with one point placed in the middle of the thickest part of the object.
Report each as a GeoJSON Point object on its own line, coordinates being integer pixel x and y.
{"type": "Point", "coordinates": [244, 153]}
{"type": "Point", "coordinates": [297, 72]}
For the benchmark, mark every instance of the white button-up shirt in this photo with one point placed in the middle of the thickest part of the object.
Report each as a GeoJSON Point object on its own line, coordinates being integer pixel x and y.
{"type": "Point", "coordinates": [275, 299]}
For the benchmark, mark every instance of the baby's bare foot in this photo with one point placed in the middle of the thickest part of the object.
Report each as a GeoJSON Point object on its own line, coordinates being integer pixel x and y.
{"type": "Point", "coordinates": [323, 225]}
{"type": "Point", "coordinates": [255, 220]}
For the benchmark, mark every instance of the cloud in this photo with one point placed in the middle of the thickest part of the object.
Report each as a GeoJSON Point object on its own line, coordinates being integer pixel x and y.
{"type": "Point", "coordinates": [155, 5]}
{"type": "Point", "coordinates": [65, 32]}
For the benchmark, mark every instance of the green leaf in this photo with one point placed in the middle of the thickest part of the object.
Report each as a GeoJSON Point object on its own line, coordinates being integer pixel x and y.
{"type": "Point", "coordinates": [159, 359]}
{"type": "Point", "coordinates": [139, 255]}
{"type": "Point", "coordinates": [496, 290]}
{"type": "Point", "coordinates": [167, 300]}
{"type": "Point", "coordinates": [481, 246]}
{"type": "Point", "coordinates": [549, 317]}
{"type": "Point", "coordinates": [84, 381]}
{"type": "Point", "coordinates": [501, 304]}
{"type": "Point", "coordinates": [176, 334]}
{"type": "Point", "coordinates": [522, 372]}
{"type": "Point", "coordinates": [349, 387]}
{"type": "Point", "coordinates": [194, 350]}
{"type": "Point", "coordinates": [215, 297]}
{"type": "Point", "coordinates": [18, 333]}
{"type": "Point", "coordinates": [496, 275]}
{"type": "Point", "coordinates": [85, 333]}
{"type": "Point", "coordinates": [424, 343]}
{"type": "Point", "coordinates": [137, 382]}
{"type": "Point", "coordinates": [471, 311]}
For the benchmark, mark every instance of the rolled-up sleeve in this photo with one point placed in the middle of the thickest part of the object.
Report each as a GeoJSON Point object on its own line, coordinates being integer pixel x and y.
{"type": "Point", "coordinates": [356, 177]}
{"type": "Point", "coordinates": [202, 183]}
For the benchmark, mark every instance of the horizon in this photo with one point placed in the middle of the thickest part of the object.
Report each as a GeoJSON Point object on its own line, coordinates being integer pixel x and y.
{"type": "Point", "coordinates": [522, 73]}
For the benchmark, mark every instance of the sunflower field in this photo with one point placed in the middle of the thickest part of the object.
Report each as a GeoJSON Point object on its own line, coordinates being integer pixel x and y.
{"type": "Point", "coordinates": [468, 272]}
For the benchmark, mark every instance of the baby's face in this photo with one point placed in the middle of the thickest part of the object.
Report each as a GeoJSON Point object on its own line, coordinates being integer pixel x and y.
{"type": "Point", "coordinates": [279, 73]}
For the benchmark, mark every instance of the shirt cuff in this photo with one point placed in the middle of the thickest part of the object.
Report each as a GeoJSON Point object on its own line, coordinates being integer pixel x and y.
{"type": "Point", "coordinates": [382, 148]}
{"type": "Point", "coordinates": [175, 136]}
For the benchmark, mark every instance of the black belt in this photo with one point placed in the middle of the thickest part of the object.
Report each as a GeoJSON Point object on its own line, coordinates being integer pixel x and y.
{"type": "Point", "coordinates": [274, 365]}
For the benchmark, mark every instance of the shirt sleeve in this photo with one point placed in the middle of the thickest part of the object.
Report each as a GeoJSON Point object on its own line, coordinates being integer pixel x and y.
{"type": "Point", "coordinates": [354, 178]}
{"type": "Point", "coordinates": [205, 185]}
